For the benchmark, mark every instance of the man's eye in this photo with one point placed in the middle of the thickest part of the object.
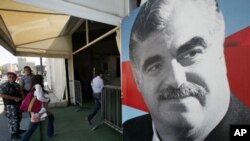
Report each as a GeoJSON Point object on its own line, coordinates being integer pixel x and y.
{"type": "Point", "coordinates": [193, 53]}
{"type": "Point", "coordinates": [153, 67]}
{"type": "Point", "coordinates": [190, 55]}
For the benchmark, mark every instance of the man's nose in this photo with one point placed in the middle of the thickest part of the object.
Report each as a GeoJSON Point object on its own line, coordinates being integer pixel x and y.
{"type": "Point", "coordinates": [176, 74]}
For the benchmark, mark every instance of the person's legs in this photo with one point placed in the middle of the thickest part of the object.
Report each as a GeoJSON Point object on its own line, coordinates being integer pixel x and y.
{"type": "Point", "coordinates": [30, 131]}
{"type": "Point", "coordinates": [50, 128]}
{"type": "Point", "coordinates": [13, 115]}
{"type": "Point", "coordinates": [19, 118]}
{"type": "Point", "coordinates": [97, 98]}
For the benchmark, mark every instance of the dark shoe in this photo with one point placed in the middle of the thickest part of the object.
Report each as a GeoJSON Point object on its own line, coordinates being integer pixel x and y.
{"type": "Point", "coordinates": [90, 123]}
{"type": "Point", "coordinates": [21, 131]}
{"type": "Point", "coordinates": [15, 136]}
{"type": "Point", "coordinates": [50, 136]}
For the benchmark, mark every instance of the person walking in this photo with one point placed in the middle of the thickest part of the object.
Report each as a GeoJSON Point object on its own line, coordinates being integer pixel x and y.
{"type": "Point", "coordinates": [11, 93]}
{"type": "Point", "coordinates": [97, 86]}
{"type": "Point", "coordinates": [42, 95]}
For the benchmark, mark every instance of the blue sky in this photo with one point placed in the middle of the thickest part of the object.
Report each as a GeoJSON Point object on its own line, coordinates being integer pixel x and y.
{"type": "Point", "coordinates": [7, 57]}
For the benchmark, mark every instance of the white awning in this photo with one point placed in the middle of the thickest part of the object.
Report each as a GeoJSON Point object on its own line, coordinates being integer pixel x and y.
{"type": "Point", "coordinates": [27, 30]}
{"type": "Point", "coordinates": [104, 11]}
{"type": "Point", "coordinates": [30, 31]}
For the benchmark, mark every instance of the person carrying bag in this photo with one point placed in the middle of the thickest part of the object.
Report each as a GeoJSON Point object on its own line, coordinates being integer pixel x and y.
{"type": "Point", "coordinates": [31, 104]}
{"type": "Point", "coordinates": [36, 117]}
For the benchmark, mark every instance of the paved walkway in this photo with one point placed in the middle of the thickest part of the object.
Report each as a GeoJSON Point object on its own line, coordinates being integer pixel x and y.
{"type": "Point", "coordinates": [70, 125]}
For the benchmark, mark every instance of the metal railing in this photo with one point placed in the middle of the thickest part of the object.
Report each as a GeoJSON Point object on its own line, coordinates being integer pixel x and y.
{"type": "Point", "coordinates": [111, 107]}
{"type": "Point", "coordinates": [78, 91]}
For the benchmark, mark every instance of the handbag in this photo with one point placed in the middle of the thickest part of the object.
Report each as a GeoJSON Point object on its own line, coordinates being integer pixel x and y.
{"type": "Point", "coordinates": [37, 117]}
{"type": "Point", "coordinates": [31, 104]}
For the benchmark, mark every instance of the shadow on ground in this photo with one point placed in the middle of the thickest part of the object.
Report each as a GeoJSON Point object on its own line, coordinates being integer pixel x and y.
{"type": "Point", "coordinates": [70, 125]}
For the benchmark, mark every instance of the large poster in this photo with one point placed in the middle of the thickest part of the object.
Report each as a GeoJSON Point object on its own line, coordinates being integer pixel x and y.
{"type": "Point", "coordinates": [185, 69]}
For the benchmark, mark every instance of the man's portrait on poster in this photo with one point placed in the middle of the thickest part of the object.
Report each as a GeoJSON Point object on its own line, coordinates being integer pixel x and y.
{"type": "Point", "coordinates": [177, 59]}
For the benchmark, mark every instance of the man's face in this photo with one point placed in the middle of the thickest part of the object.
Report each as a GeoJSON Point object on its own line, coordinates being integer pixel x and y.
{"type": "Point", "coordinates": [27, 71]}
{"type": "Point", "coordinates": [11, 78]}
{"type": "Point", "coordinates": [187, 56]}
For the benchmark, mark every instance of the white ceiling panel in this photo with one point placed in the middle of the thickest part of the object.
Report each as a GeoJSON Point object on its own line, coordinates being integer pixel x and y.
{"type": "Point", "coordinates": [104, 11]}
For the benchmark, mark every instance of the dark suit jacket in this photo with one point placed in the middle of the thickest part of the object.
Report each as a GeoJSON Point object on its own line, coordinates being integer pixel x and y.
{"type": "Point", "coordinates": [140, 128]}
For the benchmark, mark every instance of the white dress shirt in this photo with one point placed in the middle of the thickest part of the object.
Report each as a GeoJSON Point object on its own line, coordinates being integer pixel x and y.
{"type": "Point", "coordinates": [97, 84]}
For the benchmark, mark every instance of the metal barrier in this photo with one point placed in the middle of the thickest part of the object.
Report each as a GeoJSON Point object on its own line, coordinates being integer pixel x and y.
{"type": "Point", "coordinates": [78, 91]}
{"type": "Point", "coordinates": [111, 107]}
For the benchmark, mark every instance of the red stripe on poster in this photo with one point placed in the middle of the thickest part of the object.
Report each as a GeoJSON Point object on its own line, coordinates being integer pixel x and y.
{"type": "Point", "coordinates": [237, 53]}
{"type": "Point", "coordinates": [131, 96]}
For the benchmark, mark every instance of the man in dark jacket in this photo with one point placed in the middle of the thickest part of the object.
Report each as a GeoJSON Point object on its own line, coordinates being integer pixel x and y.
{"type": "Point", "coordinates": [140, 128]}
{"type": "Point", "coordinates": [11, 93]}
